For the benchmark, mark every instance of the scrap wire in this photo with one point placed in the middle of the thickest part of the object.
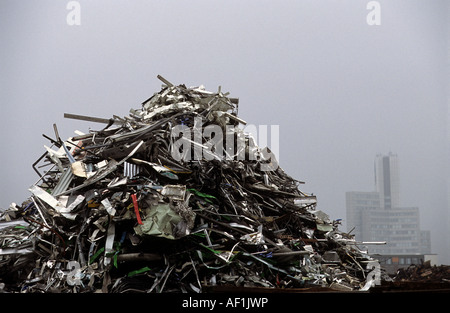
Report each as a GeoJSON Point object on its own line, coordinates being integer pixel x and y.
{"type": "Point", "coordinates": [158, 280]}
{"type": "Point", "coordinates": [196, 273]}
{"type": "Point", "coordinates": [40, 212]}
{"type": "Point", "coordinates": [51, 229]}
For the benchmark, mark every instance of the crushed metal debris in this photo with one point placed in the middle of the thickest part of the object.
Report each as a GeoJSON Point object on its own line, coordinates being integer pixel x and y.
{"type": "Point", "coordinates": [418, 278]}
{"type": "Point", "coordinates": [424, 273]}
{"type": "Point", "coordinates": [153, 202]}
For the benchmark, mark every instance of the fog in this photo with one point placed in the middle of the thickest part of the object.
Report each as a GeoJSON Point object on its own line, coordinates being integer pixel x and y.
{"type": "Point", "coordinates": [340, 89]}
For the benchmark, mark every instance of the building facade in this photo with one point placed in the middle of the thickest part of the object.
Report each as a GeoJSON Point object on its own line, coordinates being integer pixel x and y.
{"type": "Point", "coordinates": [377, 216]}
{"type": "Point", "coordinates": [358, 204]}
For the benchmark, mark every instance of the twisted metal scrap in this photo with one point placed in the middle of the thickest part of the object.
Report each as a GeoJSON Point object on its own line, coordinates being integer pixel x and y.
{"type": "Point", "coordinates": [116, 212]}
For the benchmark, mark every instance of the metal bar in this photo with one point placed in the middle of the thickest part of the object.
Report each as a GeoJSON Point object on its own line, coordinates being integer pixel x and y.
{"type": "Point", "coordinates": [131, 257]}
{"type": "Point", "coordinates": [90, 118]}
{"type": "Point", "coordinates": [35, 163]}
{"type": "Point", "coordinates": [165, 81]}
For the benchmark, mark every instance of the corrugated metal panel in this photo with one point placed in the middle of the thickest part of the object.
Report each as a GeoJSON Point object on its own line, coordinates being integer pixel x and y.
{"type": "Point", "coordinates": [130, 170]}
{"type": "Point", "coordinates": [64, 182]}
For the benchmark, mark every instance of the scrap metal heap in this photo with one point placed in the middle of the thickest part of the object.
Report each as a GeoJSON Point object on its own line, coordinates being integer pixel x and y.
{"type": "Point", "coordinates": [122, 209]}
{"type": "Point", "coordinates": [424, 273]}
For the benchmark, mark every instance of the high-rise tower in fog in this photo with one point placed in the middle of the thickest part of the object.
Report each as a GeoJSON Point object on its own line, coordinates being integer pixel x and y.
{"type": "Point", "coordinates": [378, 216]}
{"type": "Point", "coordinates": [387, 182]}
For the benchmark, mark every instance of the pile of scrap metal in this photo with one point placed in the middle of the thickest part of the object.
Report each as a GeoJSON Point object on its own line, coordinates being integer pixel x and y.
{"type": "Point", "coordinates": [126, 209]}
{"type": "Point", "coordinates": [424, 273]}
{"type": "Point", "coordinates": [418, 278]}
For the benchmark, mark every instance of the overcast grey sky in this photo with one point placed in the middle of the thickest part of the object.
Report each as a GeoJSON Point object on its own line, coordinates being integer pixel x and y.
{"type": "Point", "coordinates": [340, 90]}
